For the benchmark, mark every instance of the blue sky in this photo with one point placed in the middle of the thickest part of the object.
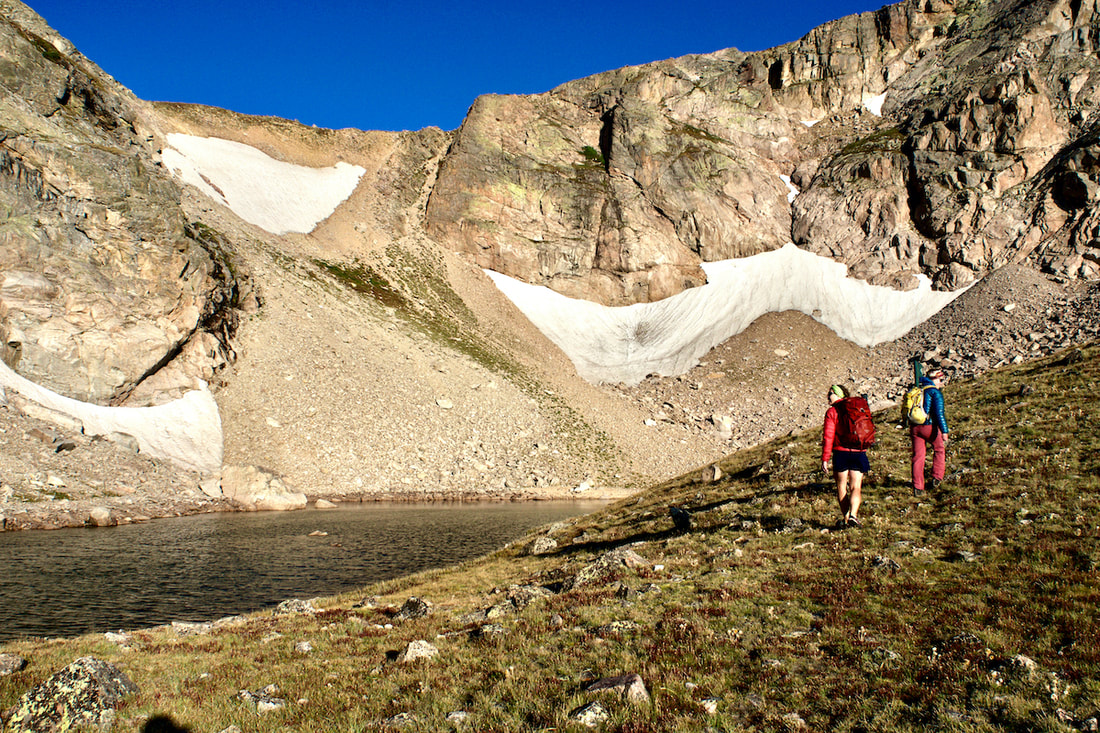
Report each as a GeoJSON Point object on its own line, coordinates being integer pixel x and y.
{"type": "Point", "coordinates": [400, 64]}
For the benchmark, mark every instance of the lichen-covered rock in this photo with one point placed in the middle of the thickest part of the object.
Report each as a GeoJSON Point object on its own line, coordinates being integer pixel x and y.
{"type": "Point", "coordinates": [607, 564]}
{"type": "Point", "coordinates": [11, 663]}
{"type": "Point", "coordinates": [414, 608]}
{"type": "Point", "coordinates": [86, 693]}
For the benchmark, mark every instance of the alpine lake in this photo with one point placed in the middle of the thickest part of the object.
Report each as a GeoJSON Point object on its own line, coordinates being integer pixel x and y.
{"type": "Point", "coordinates": [70, 582]}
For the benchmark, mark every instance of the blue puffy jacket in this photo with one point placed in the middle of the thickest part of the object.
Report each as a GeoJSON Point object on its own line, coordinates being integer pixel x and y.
{"type": "Point", "coordinates": [933, 405]}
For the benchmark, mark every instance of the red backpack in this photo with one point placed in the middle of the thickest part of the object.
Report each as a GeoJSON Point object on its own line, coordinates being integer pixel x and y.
{"type": "Point", "coordinates": [855, 429]}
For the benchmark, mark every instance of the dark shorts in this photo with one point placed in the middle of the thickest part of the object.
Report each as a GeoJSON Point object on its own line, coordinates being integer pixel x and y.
{"type": "Point", "coordinates": [850, 460]}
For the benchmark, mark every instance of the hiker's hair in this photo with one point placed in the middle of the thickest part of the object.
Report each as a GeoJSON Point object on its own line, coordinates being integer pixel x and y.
{"type": "Point", "coordinates": [839, 390]}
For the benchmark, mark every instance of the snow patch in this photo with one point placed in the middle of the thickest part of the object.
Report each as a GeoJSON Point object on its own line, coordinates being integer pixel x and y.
{"type": "Point", "coordinates": [625, 344]}
{"type": "Point", "coordinates": [187, 431]}
{"type": "Point", "coordinates": [792, 190]}
{"type": "Point", "coordinates": [810, 123]}
{"type": "Point", "coordinates": [276, 196]}
{"type": "Point", "coordinates": [874, 104]}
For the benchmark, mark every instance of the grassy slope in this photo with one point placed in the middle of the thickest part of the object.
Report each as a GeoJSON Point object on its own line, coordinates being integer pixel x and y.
{"type": "Point", "coordinates": [760, 607]}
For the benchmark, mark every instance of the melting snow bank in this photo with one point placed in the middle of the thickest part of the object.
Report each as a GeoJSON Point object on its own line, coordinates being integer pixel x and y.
{"type": "Point", "coordinates": [276, 196]}
{"type": "Point", "coordinates": [187, 431]}
{"type": "Point", "coordinates": [628, 343]}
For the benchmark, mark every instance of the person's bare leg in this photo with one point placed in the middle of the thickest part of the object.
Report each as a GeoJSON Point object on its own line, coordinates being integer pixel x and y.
{"type": "Point", "coordinates": [842, 492]}
{"type": "Point", "coordinates": [856, 496]}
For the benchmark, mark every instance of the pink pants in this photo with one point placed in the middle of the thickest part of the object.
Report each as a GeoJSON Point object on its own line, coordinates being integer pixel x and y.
{"type": "Point", "coordinates": [922, 435]}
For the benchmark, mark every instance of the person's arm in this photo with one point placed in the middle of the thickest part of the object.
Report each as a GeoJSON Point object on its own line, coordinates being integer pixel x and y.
{"type": "Point", "coordinates": [828, 434]}
{"type": "Point", "coordinates": [938, 414]}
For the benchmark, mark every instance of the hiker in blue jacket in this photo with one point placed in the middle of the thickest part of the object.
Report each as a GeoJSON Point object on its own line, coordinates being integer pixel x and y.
{"type": "Point", "coordinates": [934, 431]}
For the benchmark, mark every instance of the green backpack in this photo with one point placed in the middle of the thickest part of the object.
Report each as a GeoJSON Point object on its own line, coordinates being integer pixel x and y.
{"type": "Point", "coordinates": [913, 406]}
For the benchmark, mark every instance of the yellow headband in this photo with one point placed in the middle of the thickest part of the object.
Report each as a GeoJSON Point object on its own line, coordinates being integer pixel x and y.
{"type": "Point", "coordinates": [835, 389]}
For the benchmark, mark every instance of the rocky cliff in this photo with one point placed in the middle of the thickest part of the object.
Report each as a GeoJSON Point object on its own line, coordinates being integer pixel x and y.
{"type": "Point", "coordinates": [931, 136]}
{"type": "Point", "coordinates": [102, 282]}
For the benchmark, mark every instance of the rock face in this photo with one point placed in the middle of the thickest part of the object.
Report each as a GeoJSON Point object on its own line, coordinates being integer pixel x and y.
{"type": "Point", "coordinates": [85, 693]}
{"type": "Point", "coordinates": [936, 137]}
{"type": "Point", "coordinates": [103, 283]}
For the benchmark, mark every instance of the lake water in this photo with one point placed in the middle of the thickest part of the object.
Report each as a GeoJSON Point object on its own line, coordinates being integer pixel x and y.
{"type": "Point", "coordinates": [69, 582]}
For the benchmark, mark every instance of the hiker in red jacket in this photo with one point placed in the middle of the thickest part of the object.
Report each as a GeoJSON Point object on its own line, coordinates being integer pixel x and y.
{"type": "Point", "coordinates": [849, 463]}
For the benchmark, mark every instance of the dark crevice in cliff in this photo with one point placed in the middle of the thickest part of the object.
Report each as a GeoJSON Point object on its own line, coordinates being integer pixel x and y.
{"type": "Point", "coordinates": [607, 133]}
{"type": "Point", "coordinates": [220, 315]}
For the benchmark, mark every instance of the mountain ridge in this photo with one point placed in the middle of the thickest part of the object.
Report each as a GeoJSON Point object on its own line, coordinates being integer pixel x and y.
{"type": "Point", "coordinates": [325, 351]}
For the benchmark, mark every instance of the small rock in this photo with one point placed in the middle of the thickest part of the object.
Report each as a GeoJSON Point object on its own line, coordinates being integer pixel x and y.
{"type": "Point", "coordinates": [414, 608]}
{"type": "Point", "coordinates": [325, 504]}
{"type": "Point", "coordinates": [212, 487]}
{"type": "Point", "coordinates": [630, 687]}
{"type": "Point", "coordinates": [444, 404]}
{"type": "Point", "coordinates": [488, 631]}
{"type": "Point", "coordinates": [542, 546]}
{"type": "Point", "coordinates": [794, 721]}
{"type": "Point", "coordinates": [295, 605]}
{"type": "Point", "coordinates": [710, 705]}
{"type": "Point", "coordinates": [1024, 667]}
{"type": "Point", "coordinates": [303, 647]}
{"type": "Point", "coordinates": [264, 701]}
{"type": "Point", "coordinates": [590, 715]}
{"type": "Point", "coordinates": [881, 562]}
{"type": "Point", "coordinates": [401, 720]}
{"type": "Point", "coordinates": [318, 533]}
{"type": "Point", "coordinates": [10, 664]}
{"type": "Point", "coordinates": [417, 650]}
{"type": "Point", "coordinates": [118, 638]}
{"type": "Point", "coordinates": [458, 718]}
{"type": "Point", "coordinates": [125, 441]}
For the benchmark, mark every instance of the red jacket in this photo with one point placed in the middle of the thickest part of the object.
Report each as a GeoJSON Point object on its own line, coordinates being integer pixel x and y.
{"type": "Point", "coordinates": [829, 435]}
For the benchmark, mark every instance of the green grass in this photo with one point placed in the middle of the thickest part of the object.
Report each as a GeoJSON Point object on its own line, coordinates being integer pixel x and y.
{"type": "Point", "coordinates": [761, 607]}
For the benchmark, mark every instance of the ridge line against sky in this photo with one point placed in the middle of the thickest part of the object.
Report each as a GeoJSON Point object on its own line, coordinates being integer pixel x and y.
{"type": "Point", "coordinates": [387, 65]}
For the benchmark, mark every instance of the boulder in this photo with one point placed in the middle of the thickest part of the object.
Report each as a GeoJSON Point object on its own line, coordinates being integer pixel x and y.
{"type": "Point", "coordinates": [414, 608]}
{"type": "Point", "coordinates": [254, 489]}
{"type": "Point", "coordinates": [86, 693]}
{"type": "Point", "coordinates": [608, 564]}
{"type": "Point", "coordinates": [542, 546]}
{"type": "Point", "coordinates": [630, 687]}
{"type": "Point", "coordinates": [591, 715]}
{"type": "Point", "coordinates": [417, 650]}
{"type": "Point", "coordinates": [11, 663]}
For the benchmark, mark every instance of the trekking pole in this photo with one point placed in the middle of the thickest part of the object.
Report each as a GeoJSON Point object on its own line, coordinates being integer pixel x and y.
{"type": "Point", "coordinates": [918, 370]}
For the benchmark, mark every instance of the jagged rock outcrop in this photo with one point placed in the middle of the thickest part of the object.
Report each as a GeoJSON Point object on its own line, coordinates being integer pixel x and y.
{"type": "Point", "coordinates": [102, 281]}
{"type": "Point", "coordinates": [936, 137]}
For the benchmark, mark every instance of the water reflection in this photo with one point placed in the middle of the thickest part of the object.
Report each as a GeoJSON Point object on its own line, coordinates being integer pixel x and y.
{"type": "Point", "coordinates": [69, 582]}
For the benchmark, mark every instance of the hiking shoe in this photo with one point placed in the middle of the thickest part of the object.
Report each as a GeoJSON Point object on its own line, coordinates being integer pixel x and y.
{"type": "Point", "coordinates": [853, 522]}
{"type": "Point", "coordinates": [936, 484]}
{"type": "Point", "coordinates": [918, 492]}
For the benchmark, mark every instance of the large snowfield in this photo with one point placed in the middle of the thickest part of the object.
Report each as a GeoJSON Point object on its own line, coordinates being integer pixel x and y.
{"type": "Point", "coordinates": [625, 344]}
{"type": "Point", "coordinates": [187, 431]}
{"type": "Point", "coordinates": [275, 196]}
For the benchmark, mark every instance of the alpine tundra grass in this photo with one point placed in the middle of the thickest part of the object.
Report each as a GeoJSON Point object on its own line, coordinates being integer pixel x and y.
{"type": "Point", "coordinates": [974, 609]}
